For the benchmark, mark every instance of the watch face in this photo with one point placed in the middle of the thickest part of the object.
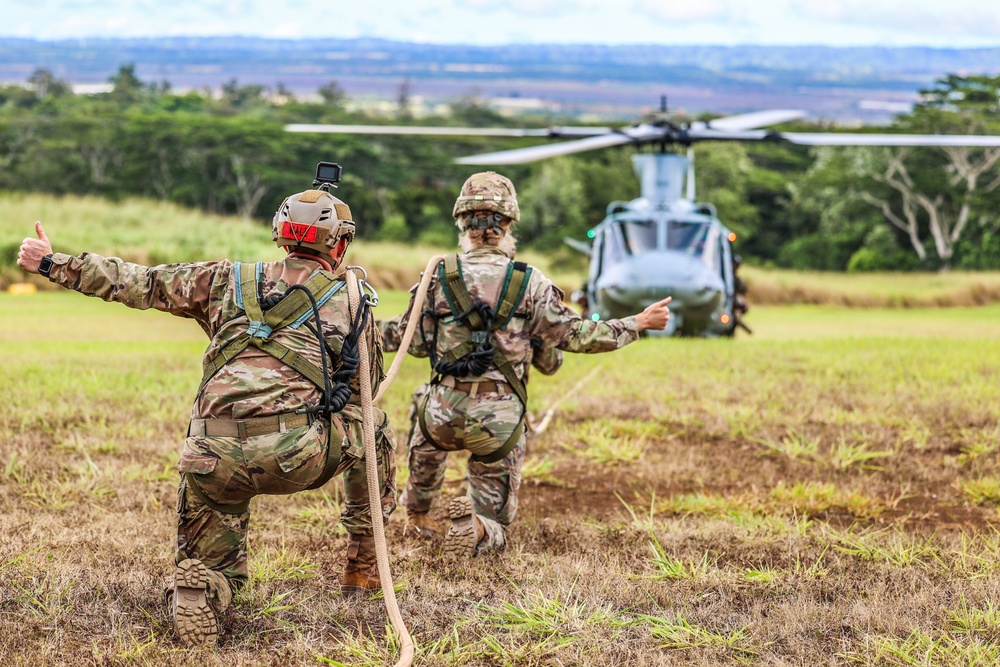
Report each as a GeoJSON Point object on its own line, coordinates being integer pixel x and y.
{"type": "Point", "coordinates": [45, 265]}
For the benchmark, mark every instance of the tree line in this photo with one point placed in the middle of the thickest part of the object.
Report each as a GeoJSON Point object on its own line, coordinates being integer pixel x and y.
{"type": "Point", "coordinates": [855, 209]}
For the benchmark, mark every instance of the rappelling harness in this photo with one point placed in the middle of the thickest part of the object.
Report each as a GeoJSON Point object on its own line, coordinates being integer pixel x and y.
{"type": "Point", "coordinates": [475, 356]}
{"type": "Point", "coordinates": [259, 320]}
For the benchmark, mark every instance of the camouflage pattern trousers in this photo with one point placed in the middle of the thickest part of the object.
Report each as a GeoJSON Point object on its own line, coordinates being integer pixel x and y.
{"type": "Point", "coordinates": [231, 471]}
{"type": "Point", "coordinates": [480, 424]}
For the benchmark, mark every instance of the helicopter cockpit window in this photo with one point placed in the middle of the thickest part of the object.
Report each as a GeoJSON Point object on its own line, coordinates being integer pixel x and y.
{"type": "Point", "coordinates": [698, 239]}
{"type": "Point", "coordinates": [640, 235]}
{"type": "Point", "coordinates": [613, 248]}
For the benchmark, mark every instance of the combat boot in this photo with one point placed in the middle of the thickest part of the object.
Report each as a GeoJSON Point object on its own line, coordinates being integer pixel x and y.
{"type": "Point", "coordinates": [194, 618]}
{"type": "Point", "coordinates": [466, 530]}
{"type": "Point", "coordinates": [420, 524]}
{"type": "Point", "coordinates": [361, 574]}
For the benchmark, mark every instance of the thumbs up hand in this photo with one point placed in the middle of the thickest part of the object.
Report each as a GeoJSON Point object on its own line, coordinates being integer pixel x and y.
{"type": "Point", "coordinates": [33, 250]}
{"type": "Point", "coordinates": [655, 316]}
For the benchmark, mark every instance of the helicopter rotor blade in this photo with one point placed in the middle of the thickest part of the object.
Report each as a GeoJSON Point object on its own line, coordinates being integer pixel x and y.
{"type": "Point", "coordinates": [856, 139]}
{"type": "Point", "coordinates": [629, 135]}
{"type": "Point", "coordinates": [557, 132]}
{"type": "Point", "coordinates": [750, 121]}
{"type": "Point", "coordinates": [421, 130]}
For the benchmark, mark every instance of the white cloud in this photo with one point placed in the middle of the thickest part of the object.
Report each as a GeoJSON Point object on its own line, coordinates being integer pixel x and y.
{"type": "Point", "coordinates": [715, 11]}
{"type": "Point", "coordinates": [845, 22]}
{"type": "Point", "coordinates": [542, 8]}
{"type": "Point", "coordinates": [957, 17]}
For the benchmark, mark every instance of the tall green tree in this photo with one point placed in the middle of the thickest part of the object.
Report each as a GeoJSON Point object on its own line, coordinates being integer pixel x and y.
{"type": "Point", "coordinates": [933, 195]}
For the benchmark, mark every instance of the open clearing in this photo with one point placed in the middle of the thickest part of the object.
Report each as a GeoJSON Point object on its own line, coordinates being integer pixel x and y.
{"type": "Point", "coordinates": [824, 492]}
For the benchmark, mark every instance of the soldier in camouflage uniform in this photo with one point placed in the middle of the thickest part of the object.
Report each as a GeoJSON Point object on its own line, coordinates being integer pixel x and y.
{"type": "Point", "coordinates": [259, 425]}
{"type": "Point", "coordinates": [476, 402]}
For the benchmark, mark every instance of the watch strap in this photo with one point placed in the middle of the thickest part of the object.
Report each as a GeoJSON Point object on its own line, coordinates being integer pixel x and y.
{"type": "Point", "coordinates": [45, 266]}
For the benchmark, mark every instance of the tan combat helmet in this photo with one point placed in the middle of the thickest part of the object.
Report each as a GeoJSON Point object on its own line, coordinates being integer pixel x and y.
{"type": "Point", "coordinates": [487, 192]}
{"type": "Point", "coordinates": [313, 219]}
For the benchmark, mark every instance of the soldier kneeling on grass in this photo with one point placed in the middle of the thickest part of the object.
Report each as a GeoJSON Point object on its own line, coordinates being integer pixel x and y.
{"type": "Point", "coordinates": [486, 320]}
{"type": "Point", "coordinates": [278, 410]}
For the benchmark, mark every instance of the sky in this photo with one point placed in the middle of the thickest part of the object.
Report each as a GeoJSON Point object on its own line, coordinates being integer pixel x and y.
{"type": "Point", "coordinates": [956, 23]}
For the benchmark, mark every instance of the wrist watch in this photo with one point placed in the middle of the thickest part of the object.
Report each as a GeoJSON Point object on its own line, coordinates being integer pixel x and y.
{"type": "Point", "coordinates": [45, 266]}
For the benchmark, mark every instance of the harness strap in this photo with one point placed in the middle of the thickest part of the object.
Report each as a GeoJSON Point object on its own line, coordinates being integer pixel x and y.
{"type": "Point", "coordinates": [260, 326]}
{"type": "Point", "coordinates": [516, 281]}
{"type": "Point", "coordinates": [422, 423]}
{"type": "Point", "coordinates": [457, 293]}
{"type": "Point", "coordinates": [497, 455]}
{"type": "Point", "coordinates": [248, 289]}
{"type": "Point", "coordinates": [460, 302]}
{"type": "Point", "coordinates": [505, 449]}
{"type": "Point", "coordinates": [238, 508]}
{"type": "Point", "coordinates": [333, 455]}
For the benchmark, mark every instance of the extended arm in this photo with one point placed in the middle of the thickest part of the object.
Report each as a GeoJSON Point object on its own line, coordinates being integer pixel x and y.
{"type": "Point", "coordinates": [558, 325]}
{"type": "Point", "coordinates": [186, 290]}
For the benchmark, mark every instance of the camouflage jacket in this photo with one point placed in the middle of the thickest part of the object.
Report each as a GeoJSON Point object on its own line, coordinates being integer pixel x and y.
{"type": "Point", "coordinates": [253, 384]}
{"type": "Point", "coordinates": [541, 316]}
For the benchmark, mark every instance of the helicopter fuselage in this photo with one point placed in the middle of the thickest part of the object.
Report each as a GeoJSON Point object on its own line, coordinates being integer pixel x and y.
{"type": "Point", "coordinates": [651, 248]}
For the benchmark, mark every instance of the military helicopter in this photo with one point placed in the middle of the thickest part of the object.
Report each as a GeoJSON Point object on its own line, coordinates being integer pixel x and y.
{"type": "Point", "coordinates": [664, 242]}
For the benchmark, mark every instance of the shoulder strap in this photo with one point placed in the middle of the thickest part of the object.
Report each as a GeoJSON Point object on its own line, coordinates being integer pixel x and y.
{"type": "Point", "coordinates": [516, 281]}
{"type": "Point", "coordinates": [457, 294]}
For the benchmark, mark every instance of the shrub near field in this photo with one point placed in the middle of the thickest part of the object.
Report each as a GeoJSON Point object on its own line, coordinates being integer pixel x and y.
{"type": "Point", "coordinates": [824, 492]}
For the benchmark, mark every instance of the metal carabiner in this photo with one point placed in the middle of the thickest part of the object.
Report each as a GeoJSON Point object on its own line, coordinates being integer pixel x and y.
{"type": "Point", "coordinates": [364, 285]}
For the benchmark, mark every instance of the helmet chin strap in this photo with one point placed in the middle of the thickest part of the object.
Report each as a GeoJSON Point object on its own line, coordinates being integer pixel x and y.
{"type": "Point", "coordinates": [316, 258]}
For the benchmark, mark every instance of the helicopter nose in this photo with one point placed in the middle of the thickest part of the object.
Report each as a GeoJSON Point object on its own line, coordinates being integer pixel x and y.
{"type": "Point", "coordinates": [655, 275]}
{"type": "Point", "coordinates": [628, 287]}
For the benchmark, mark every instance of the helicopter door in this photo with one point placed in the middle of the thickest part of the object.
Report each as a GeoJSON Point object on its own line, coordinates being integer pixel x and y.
{"type": "Point", "coordinates": [614, 246]}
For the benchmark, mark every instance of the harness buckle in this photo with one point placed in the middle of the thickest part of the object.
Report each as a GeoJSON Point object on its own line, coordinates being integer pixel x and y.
{"type": "Point", "coordinates": [259, 330]}
{"type": "Point", "coordinates": [479, 337]}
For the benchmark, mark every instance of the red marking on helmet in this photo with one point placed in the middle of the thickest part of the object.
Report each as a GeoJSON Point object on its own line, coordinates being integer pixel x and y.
{"type": "Point", "coordinates": [300, 232]}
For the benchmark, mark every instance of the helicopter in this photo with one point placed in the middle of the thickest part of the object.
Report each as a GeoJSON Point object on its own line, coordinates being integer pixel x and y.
{"type": "Point", "coordinates": [664, 242]}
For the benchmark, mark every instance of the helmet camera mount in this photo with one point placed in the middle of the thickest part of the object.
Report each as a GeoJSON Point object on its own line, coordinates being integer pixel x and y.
{"type": "Point", "coordinates": [327, 175]}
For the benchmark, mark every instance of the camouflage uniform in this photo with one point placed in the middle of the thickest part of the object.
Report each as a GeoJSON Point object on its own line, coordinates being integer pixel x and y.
{"type": "Point", "coordinates": [231, 470]}
{"type": "Point", "coordinates": [482, 422]}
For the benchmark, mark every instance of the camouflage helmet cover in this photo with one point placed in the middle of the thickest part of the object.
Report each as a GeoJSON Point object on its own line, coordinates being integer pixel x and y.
{"type": "Point", "coordinates": [312, 219]}
{"type": "Point", "coordinates": [487, 191]}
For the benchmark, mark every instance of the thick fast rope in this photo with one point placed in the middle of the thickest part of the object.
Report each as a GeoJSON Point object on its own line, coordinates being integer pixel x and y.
{"type": "Point", "coordinates": [406, 647]}
{"type": "Point", "coordinates": [411, 325]}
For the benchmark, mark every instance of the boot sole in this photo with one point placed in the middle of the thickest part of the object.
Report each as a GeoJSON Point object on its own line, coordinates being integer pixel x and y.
{"type": "Point", "coordinates": [461, 539]}
{"type": "Point", "coordinates": [194, 618]}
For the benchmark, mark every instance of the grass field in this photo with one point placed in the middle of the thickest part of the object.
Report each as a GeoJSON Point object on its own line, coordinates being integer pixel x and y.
{"type": "Point", "coordinates": [825, 492]}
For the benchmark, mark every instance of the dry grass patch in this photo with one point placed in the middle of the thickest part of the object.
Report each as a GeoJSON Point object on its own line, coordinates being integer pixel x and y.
{"type": "Point", "coordinates": [706, 547]}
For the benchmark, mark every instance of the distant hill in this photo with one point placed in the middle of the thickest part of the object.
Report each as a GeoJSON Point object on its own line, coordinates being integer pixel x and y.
{"type": "Point", "coordinates": [858, 84]}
